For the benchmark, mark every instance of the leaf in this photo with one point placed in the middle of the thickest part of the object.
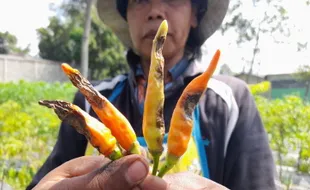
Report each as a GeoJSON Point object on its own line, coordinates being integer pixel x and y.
{"type": "Point", "coordinates": [28, 131]}
{"type": "Point", "coordinates": [61, 41]}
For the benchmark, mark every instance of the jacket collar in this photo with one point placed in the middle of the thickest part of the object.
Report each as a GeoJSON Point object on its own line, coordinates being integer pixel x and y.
{"type": "Point", "coordinates": [176, 71]}
{"type": "Point", "coordinates": [184, 69]}
{"type": "Point", "coordinates": [196, 67]}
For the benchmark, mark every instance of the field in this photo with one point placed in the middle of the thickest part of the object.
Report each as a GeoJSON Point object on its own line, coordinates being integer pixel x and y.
{"type": "Point", "coordinates": [28, 131]}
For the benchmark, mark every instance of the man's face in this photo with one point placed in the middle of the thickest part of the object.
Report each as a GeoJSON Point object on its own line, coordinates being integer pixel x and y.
{"type": "Point", "coordinates": [145, 16]}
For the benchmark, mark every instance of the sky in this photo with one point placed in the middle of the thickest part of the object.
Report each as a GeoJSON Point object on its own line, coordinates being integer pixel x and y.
{"type": "Point", "coordinates": [22, 18]}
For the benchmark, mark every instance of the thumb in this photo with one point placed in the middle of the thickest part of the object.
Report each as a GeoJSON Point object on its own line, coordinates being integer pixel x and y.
{"type": "Point", "coordinates": [121, 174]}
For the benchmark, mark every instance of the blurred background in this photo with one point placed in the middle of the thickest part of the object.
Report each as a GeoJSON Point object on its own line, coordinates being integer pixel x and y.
{"type": "Point", "coordinates": [263, 42]}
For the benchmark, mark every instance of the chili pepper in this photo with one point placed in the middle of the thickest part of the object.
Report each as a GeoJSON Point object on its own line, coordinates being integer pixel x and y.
{"type": "Point", "coordinates": [182, 122]}
{"type": "Point", "coordinates": [107, 113]}
{"type": "Point", "coordinates": [153, 119]}
{"type": "Point", "coordinates": [96, 132]}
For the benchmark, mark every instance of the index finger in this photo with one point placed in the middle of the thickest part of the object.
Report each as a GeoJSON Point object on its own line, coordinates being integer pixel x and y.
{"type": "Point", "coordinates": [76, 167]}
{"type": "Point", "coordinates": [83, 165]}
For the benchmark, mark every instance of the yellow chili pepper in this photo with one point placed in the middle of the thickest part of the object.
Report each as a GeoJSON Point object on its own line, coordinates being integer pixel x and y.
{"type": "Point", "coordinates": [118, 124]}
{"type": "Point", "coordinates": [153, 119]}
{"type": "Point", "coordinates": [96, 132]}
{"type": "Point", "coordinates": [182, 122]}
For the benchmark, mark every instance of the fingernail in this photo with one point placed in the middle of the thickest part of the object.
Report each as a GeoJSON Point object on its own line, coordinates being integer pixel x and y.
{"type": "Point", "coordinates": [136, 172]}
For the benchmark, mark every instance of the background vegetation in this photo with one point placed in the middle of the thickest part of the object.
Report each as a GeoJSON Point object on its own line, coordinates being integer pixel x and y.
{"type": "Point", "coordinates": [28, 131]}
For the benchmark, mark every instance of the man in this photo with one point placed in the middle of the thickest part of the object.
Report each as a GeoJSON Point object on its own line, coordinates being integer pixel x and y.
{"type": "Point", "coordinates": [229, 144]}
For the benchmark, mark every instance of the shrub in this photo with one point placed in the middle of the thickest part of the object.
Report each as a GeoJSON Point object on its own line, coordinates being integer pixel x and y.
{"type": "Point", "coordinates": [28, 131]}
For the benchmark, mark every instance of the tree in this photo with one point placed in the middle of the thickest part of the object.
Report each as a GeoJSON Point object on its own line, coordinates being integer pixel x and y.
{"type": "Point", "coordinates": [303, 74]}
{"type": "Point", "coordinates": [85, 41]}
{"type": "Point", "coordinates": [249, 28]}
{"type": "Point", "coordinates": [62, 41]}
{"type": "Point", "coordinates": [303, 71]}
{"type": "Point", "coordinates": [225, 70]}
{"type": "Point", "coordinates": [301, 46]}
{"type": "Point", "coordinates": [8, 45]}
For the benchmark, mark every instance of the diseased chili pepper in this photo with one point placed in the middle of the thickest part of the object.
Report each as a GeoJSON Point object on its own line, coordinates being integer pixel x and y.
{"type": "Point", "coordinates": [96, 132]}
{"type": "Point", "coordinates": [182, 122]}
{"type": "Point", "coordinates": [153, 119]}
{"type": "Point", "coordinates": [107, 113]}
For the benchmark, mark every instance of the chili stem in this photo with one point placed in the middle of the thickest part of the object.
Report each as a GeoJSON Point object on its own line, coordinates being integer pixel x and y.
{"type": "Point", "coordinates": [156, 163]}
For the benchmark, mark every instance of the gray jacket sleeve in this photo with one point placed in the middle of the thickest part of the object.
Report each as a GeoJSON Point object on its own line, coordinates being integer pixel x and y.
{"type": "Point", "coordinates": [249, 163]}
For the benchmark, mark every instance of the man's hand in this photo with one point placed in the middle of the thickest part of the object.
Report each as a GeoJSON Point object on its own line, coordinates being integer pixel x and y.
{"type": "Point", "coordinates": [190, 181]}
{"type": "Point", "coordinates": [181, 181]}
{"type": "Point", "coordinates": [99, 173]}
{"type": "Point", "coordinates": [129, 172]}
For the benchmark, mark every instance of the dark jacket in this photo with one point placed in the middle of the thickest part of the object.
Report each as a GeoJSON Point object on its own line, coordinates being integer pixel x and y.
{"type": "Point", "coordinates": [239, 156]}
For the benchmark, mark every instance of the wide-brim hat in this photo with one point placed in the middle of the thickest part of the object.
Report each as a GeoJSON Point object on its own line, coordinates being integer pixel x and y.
{"type": "Point", "coordinates": [209, 23]}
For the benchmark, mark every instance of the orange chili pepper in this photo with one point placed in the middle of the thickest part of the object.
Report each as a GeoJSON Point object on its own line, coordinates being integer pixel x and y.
{"type": "Point", "coordinates": [96, 132]}
{"type": "Point", "coordinates": [107, 113]}
{"type": "Point", "coordinates": [182, 122]}
{"type": "Point", "coordinates": [153, 119]}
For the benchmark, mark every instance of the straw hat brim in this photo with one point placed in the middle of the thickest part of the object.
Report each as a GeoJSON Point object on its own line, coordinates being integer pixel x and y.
{"type": "Point", "coordinates": [209, 23]}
